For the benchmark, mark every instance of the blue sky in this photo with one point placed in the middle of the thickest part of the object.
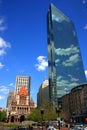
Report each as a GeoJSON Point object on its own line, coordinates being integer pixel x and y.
{"type": "Point", "coordinates": [23, 40]}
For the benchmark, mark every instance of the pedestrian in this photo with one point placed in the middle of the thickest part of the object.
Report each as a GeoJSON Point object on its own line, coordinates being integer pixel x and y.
{"type": "Point", "coordinates": [29, 127]}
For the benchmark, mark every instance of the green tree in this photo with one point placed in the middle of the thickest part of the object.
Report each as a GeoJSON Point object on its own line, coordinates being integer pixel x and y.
{"type": "Point", "coordinates": [35, 115]}
{"type": "Point", "coordinates": [3, 116]}
{"type": "Point", "coordinates": [49, 114]}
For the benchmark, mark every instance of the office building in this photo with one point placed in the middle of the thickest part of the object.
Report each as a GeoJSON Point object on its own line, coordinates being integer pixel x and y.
{"type": "Point", "coordinates": [65, 64]}
{"type": "Point", "coordinates": [9, 98]}
{"type": "Point", "coordinates": [75, 104]}
{"type": "Point", "coordinates": [23, 81]}
{"type": "Point", "coordinates": [43, 94]}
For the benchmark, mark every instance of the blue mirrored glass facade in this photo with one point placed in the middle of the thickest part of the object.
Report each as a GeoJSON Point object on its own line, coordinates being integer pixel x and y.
{"type": "Point", "coordinates": [64, 58]}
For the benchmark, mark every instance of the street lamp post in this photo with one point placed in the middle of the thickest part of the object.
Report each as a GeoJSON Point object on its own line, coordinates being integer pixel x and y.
{"type": "Point", "coordinates": [58, 112]}
{"type": "Point", "coordinates": [42, 113]}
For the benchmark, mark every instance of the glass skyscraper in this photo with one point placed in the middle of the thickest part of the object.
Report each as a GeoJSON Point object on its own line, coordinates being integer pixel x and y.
{"type": "Point", "coordinates": [64, 58]}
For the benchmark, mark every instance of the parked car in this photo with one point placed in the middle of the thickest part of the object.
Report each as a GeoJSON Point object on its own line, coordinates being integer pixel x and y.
{"type": "Point", "coordinates": [51, 128]}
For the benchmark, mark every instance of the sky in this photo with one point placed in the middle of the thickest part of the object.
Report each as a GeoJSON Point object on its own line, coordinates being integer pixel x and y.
{"type": "Point", "coordinates": [23, 40]}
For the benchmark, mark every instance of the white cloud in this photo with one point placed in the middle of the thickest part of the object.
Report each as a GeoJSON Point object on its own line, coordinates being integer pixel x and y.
{"type": "Point", "coordinates": [4, 90]}
{"type": "Point", "coordinates": [42, 63]}
{"type": "Point", "coordinates": [57, 60]}
{"type": "Point", "coordinates": [1, 97]}
{"type": "Point", "coordinates": [11, 85]}
{"type": "Point", "coordinates": [62, 86]}
{"type": "Point", "coordinates": [58, 19]}
{"type": "Point", "coordinates": [2, 52]}
{"type": "Point", "coordinates": [59, 78]}
{"type": "Point", "coordinates": [67, 51]}
{"type": "Point", "coordinates": [85, 27]}
{"type": "Point", "coordinates": [66, 90]}
{"type": "Point", "coordinates": [71, 55]}
{"type": "Point", "coordinates": [72, 60]}
{"type": "Point", "coordinates": [84, 1]}
{"type": "Point", "coordinates": [1, 65]}
{"type": "Point", "coordinates": [86, 73]}
{"type": "Point", "coordinates": [65, 85]}
{"type": "Point", "coordinates": [3, 46]}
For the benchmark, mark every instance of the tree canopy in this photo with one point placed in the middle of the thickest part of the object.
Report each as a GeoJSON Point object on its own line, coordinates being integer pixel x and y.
{"type": "Point", "coordinates": [3, 116]}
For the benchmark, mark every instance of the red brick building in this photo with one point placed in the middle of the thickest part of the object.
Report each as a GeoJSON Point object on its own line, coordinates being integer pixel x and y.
{"type": "Point", "coordinates": [21, 106]}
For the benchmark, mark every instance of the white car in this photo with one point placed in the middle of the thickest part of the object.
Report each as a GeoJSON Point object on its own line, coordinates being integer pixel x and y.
{"type": "Point", "coordinates": [51, 128]}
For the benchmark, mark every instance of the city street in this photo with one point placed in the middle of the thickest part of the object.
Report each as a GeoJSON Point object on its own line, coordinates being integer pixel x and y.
{"type": "Point", "coordinates": [1, 128]}
{"type": "Point", "coordinates": [63, 128]}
